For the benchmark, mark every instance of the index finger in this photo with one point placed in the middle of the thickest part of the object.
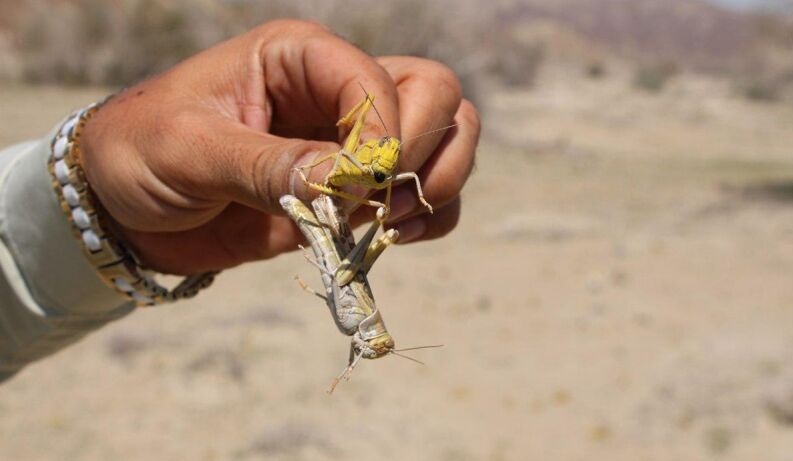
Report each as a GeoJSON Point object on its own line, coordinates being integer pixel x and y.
{"type": "Point", "coordinates": [310, 73]}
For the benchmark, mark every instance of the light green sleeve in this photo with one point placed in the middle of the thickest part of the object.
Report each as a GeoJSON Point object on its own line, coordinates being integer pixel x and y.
{"type": "Point", "coordinates": [50, 295]}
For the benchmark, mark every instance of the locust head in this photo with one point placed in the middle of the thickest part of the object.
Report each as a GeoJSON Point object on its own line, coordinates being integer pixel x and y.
{"type": "Point", "coordinates": [385, 156]}
{"type": "Point", "coordinates": [381, 346]}
{"type": "Point", "coordinates": [373, 348]}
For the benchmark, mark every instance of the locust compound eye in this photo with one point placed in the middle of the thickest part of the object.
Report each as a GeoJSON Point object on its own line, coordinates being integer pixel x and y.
{"type": "Point", "coordinates": [379, 177]}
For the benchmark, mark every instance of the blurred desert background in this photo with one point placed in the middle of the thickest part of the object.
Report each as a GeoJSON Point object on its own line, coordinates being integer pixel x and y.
{"type": "Point", "coordinates": [620, 286]}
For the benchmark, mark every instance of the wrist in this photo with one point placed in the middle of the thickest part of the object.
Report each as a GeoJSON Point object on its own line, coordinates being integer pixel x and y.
{"type": "Point", "coordinates": [115, 263]}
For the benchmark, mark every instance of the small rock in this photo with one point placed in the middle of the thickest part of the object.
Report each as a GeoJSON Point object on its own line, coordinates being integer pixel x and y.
{"type": "Point", "coordinates": [619, 277]}
{"type": "Point", "coordinates": [484, 303]}
{"type": "Point", "coordinates": [719, 439]}
{"type": "Point", "coordinates": [779, 403]}
{"type": "Point", "coordinates": [562, 397]}
{"type": "Point", "coordinates": [601, 433]}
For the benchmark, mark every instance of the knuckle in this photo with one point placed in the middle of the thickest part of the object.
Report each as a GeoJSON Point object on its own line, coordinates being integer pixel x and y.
{"type": "Point", "coordinates": [259, 169]}
{"type": "Point", "coordinates": [448, 189]}
{"type": "Point", "coordinates": [457, 182]}
{"type": "Point", "coordinates": [451, 223]}
{"type": "Point", "coordinates": [439, 76]}
{"type": "Point", "coordinates": [272, 173]}
{"type": "Point", "coordinates": [447, 222]}
{"type": "Point", "coordinates": [269, 178]}
{"type": "Point", "coordinates": [299, 26]}
{"type": "Point", "coordinates": [445, 184]}
{"type": "Point", "coordinates": [445, 78]}
{"type": "Point", "coordinates": [310, 27]}
{"type": "Point", "coordinates": [459, 179]}
{"type": "Point", "coordinates": [470, 117]}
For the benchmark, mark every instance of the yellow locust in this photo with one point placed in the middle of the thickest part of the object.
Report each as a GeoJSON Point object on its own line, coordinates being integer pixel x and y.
{"type": "Point", "coordinates": [371, 164]}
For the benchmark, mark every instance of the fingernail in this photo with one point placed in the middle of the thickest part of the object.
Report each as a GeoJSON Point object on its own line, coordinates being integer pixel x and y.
{"type": "Point", "coordinates": [403, 202]}
{"type": "Point", "coordinates": [411, 230]}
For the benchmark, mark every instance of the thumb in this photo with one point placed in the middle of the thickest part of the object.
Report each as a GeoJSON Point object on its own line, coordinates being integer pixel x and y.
{"type": "Point", "coordinates": [255, 168]}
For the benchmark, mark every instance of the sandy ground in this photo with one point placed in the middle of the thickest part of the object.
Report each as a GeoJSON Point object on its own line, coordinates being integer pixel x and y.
{"type": "Point", "coordinates": [620, 287]}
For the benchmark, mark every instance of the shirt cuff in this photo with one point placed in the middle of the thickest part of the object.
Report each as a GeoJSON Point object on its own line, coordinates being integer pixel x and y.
{"type": "Point", "coordinates": [50, 294]}
{"type": "Point", "coordinates": [38, 235]}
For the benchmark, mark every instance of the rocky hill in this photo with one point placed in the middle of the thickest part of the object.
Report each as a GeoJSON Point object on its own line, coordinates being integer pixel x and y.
{"type": "Point", "coordinates": [691, 32]}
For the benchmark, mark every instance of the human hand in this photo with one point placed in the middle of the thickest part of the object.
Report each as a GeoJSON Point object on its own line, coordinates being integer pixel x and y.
{"type": "Point", "coordinates": [190, 164]}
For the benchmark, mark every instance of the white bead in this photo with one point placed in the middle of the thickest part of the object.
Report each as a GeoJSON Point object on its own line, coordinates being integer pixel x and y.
{"type": "Point", "coordinates": [124, 285]}
{"type": "Point", "coordinates": [60, 148]}
{"type": "Point", "coordinates": [71, 195]}
{"type": "Point", "coordinates": [141, 298]}
{"type": "Point", "coordinates": [62, 172]}
{"type": "Point", "coordinates": [91, 240]}
{"type": "Point", "coordinates": [67, 127]}
{"type": "Point", "coordinates": [81, 218]}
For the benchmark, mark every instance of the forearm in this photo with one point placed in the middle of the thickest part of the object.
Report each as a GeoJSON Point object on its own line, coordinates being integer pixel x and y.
{"type": "Point", "coordinates": [50, 295]}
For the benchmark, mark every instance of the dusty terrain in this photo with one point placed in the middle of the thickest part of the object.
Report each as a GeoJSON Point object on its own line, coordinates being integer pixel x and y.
{"type": "Point", "coordinates": [620, 287]}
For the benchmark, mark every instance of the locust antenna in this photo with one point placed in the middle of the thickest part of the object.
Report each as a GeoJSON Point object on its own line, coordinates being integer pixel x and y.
{"type": "Point", "coordinates": [407, 357]}
{"type": "Point", "coordinates": [375, 109]}
{"type": "Point", "coordinates": [429, 132]}
{"type": "Point", "coordinates": [417, 348]}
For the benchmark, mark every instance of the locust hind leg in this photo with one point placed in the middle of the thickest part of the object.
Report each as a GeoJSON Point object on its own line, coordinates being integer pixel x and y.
{"type": "Point", "coordinates": [377, 248]}
{"type": "Point", "coordinates": [353, 261]}
{"type": "Point", "coordinates": [358, 113]}
{"type": "Point", "coordinates": [327, 190]}
{"type": "Point", "coordinates": [336, 156]}
{"type": "Point", "coordinates": [363, 256]}
{"type": "Point", "coordinates": [355, 113]}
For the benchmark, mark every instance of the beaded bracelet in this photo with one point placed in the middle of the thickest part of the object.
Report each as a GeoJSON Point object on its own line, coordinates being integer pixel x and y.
{"type": "Point", "coordinates": [116, 265]}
